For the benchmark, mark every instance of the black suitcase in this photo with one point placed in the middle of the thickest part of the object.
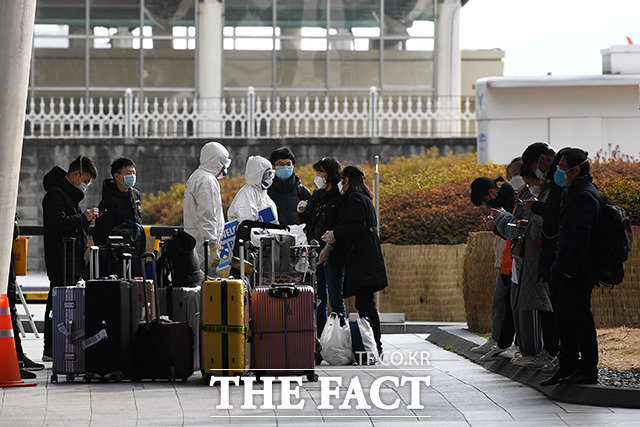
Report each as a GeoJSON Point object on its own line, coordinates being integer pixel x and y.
{"type": "Point", "coordinates": [164, 349]}
{"type": "Point", "coordinates": [111, 322]}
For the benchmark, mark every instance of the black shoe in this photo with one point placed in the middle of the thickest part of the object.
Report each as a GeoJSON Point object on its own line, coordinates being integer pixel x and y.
{"type": "Point", "coordinates": [30, 365]}
{"type": "Point", "coordinates": [553, 380]}
{"type": "Point", "coordinates": [26, 375]}
{"type": "Point", "coordinates": [579, 377]}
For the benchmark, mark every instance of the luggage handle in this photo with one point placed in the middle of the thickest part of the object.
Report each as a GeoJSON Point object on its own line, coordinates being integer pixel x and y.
{"type": "Point", "coordinates": [126, 265]}
{"type": "Point", "coordinates": [143, 259]}
{"type": "Point", "coordinates": [65, 244]}
{"type": "Point", "coordinates": [94, 262]}
{"type": "Point", "coordinates": [205, 245]}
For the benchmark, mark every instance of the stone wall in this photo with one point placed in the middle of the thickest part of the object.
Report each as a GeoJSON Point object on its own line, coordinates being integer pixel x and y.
{"type": "Point", "coordinates": [163, 162]}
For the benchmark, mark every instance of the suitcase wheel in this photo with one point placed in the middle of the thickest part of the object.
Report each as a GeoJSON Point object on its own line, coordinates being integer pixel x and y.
{"type": "Point", "coordinates": [70, 378]}
{"type": "Point", "coordinates": [206, 378]}
{"type": "Point", "coordinates": [184, 379]}
{"type": "Point", "coordinates": [86, 380]}
{"type": "Point", "coordinates": [54, 378]}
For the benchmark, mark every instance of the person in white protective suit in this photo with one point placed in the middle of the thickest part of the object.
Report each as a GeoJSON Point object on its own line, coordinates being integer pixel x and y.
{"type": "Point", "coordinates": [253, 197]}
{"type": "Point", "coordinates": [202, 207]}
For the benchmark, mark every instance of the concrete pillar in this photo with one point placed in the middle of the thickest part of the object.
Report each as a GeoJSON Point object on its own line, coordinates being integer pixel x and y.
{"type": "Point", "coordinates": [16, 37]}
{"type": "Point", "coordinates": [210, 62]}
{"type": "Point", "coordinates": [448, 64]}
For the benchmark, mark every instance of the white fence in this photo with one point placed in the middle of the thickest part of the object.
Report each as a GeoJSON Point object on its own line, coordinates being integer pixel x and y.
{"type": "Point", "coordinates": [251, 117]}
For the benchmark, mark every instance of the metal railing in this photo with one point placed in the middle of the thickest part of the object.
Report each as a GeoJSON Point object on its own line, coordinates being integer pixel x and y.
{"type": "Point", "coordinates": [252, 116]}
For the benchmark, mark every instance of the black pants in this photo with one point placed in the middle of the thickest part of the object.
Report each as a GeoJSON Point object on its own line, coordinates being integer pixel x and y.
{"type": "Point", "coordinates": [508, 325]}
{"type": "Point", "coordinates": [577, 329]}
{"type": "Point", "coordinates": [366, 306]}
{"type": "Point", "coordinates": [11, 296]}
{"type": "Point", "coordinates": [48, 321]}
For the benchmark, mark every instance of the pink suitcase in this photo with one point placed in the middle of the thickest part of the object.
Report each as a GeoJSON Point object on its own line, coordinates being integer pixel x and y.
{"type": "Point", "coordinates": [283, 331]}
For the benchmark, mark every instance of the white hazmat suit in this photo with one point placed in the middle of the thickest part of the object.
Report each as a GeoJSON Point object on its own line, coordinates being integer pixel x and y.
{"type": "Point", "coordinates": [202, 207]}
{"type": "Point", "coordinates": [252, 197]}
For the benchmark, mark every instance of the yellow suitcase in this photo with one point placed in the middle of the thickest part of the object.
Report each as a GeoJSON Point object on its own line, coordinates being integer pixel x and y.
{"type": "Point", "coordinates": [224, 328]}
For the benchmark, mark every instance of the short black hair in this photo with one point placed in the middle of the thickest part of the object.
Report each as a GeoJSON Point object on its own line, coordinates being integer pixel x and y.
{"type": "Point", "coordinates": [331, 166]}
{"type": "Point", "coordinates": [84, 164]}
{"type": "Point", "coordinates": [480, 189]}
{"type": "Point", "coordinates": [121, 162]}
{"type": "Point", "coordinates": [534, 151]}
{"type": "Point", "coordinates": [575, 157]}
{"type": "Point", "coordinates": [282, 153]}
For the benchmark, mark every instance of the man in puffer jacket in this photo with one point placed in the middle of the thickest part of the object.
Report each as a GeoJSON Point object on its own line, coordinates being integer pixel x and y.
{"type": "Point", "coordinates": [253, 197]}
{"type": "Point", "coordinates": [202, 207]}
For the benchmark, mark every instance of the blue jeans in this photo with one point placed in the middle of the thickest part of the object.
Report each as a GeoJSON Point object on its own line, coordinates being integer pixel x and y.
{"type": "Point", "coordinates": [329, 288]}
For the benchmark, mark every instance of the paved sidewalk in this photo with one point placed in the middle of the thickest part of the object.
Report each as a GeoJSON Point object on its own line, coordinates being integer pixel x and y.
{"type": "Point", "coordinates": [460, 393]}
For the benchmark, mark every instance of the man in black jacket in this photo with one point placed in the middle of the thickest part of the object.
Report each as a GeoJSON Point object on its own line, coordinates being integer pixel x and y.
{"type": "Point", "coordinates": [573, 270]}
{"type": "Point", "coordinates": [62, 218]}
{"type": "Point", "coordinates": [120, 201]}
{"type": "Point", "coordinates": [286, 191]}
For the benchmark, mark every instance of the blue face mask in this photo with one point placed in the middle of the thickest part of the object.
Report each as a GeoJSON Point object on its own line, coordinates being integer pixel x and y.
{"type": "Point", "coordinates": [129, 181]}
{"type": "Point", "coordinates": [284, 172]}
{"type": "Point", "coordinates": [560, 177]}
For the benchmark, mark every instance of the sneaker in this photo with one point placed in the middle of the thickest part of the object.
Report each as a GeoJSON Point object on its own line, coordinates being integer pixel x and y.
{"type": "Point", "coordinates": [47, 356]}
{"type": "Point", "coordinates": [542, 360]}
{"type": "Point", "coordinates": [30, 365]}
{"type": "Point", "coordinates": [491, 354]}
{"type": "Point", "coordinates": [510, 352]}
{"type": "Point", "coordinates": [484, 348]}
{"type": "Point", "coordinates": [552, 366]}
{"type": "Point", "coordinates": [525, 361]}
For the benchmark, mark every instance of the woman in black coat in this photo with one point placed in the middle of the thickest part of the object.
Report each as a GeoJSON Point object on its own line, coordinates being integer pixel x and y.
{"type": "Point", "coordinates": [321, 213]}
{"type": "Point", "coordinates": [365, 273]}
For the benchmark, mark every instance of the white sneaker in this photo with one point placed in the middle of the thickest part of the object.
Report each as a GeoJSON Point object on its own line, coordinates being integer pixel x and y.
{"type": "Point", "coordinates": [542, 359]}
{"type": "Point", "coordinates": [484, 348]}
{"type": "Point", "coordinates": [525, 361]}
{"type": "Point", "coordinates": [510, 352]}
{"type": "Point", "coordinates": [491, 354]}
{"type": "Point", "coordinates": [552, 366]}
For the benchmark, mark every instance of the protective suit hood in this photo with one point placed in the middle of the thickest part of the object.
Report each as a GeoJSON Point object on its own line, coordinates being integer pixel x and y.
{"type": "Point", "coordinates": [213, 157]}
{"type": "Point", "coordinates": [256, 165]}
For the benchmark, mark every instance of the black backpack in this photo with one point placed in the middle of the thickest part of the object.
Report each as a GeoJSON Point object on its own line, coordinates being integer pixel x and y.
{"type": "Point", "coordinates": [614, 240]}
{"type": "Point", "coordinates": [133, 235]}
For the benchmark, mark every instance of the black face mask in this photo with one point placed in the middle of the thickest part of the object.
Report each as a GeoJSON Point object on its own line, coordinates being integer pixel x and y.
{"type": "Point", "coordinates": [506, 198]}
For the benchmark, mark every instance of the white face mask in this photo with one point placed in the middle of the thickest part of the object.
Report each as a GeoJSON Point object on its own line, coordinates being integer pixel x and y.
{"type": "Point", "coordinates": [340, 187]}
{"type": "Point", "coordinates": [539, 173]}
{"type": "Point", "coordinates": [320, 182]}
{"type": "Point", "coordinates": [83, 187]}
{"type": "Point", "coordinates": [517, 183]}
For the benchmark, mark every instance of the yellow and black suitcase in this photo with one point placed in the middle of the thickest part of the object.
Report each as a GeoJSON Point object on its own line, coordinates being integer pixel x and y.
{"type": "Point", "coordinates": [224, 328]}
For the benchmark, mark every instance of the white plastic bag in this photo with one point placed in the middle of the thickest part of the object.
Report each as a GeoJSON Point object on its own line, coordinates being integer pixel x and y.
{"type": "Point", "coordinates": [365, 349]}
{"type": "Point", "coordinates": [336, 342]}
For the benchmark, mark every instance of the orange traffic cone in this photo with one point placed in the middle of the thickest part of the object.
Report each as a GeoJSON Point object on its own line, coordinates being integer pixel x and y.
{"type": "Point", "coordinates": [9, 371]}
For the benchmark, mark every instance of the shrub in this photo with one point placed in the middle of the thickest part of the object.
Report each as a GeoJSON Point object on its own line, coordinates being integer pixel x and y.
{"type": "Point", "coordinates": [165, 208]}
{"type": "Point", "coordinates": [424, 199]}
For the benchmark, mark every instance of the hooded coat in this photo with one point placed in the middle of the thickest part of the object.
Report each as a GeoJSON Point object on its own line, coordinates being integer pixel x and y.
{"type": "Point", "coordinates": [62, 218]}
{"type": "Point", "coordinates": [252, 197]}
{"type": "Point", "coordinates": [202, 207]}
{"type": "Point", "coordinates": [119, 206]}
